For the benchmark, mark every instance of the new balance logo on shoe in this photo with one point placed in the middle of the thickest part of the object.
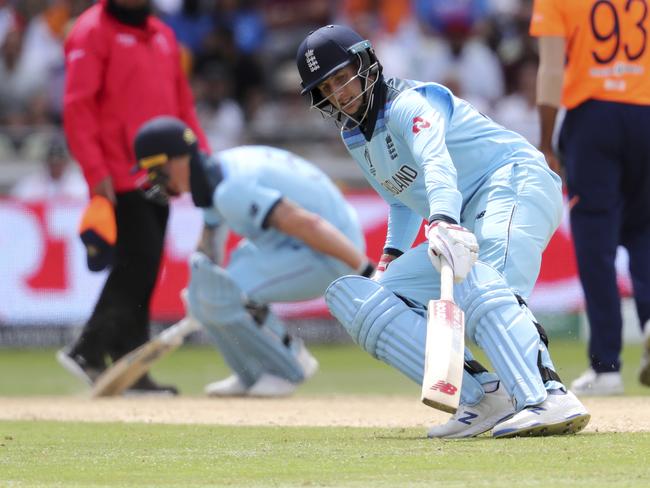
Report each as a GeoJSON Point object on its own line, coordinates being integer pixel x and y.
{"type": "Point", "coordinates": [467, 419]}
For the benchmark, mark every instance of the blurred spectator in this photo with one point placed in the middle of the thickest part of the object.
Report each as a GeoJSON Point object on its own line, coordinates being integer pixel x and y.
{"type": "Point", "coordinates": [244, 19]}
{"type": "Point", "coordinates": [461, 59]}
{"type": "Point", "coordinates": [289, 20]}
{"type": "Point", "coordinates": [221, 117]}
{"type": "Point", "coordinates": [7, 19]}
{"type": "Point", "coordinates": [58, 177]}
{"type": "Point", "coordinates": [439, 14]}
{"type": "Point", "coordinates": [43, 50]}
{"type": "Point", "coordinates": [19, 79]}
{"type": "Point", "coordinates": [518, 111]}
{"type": "Point", "coordinates": [246, 70]}
{"type": "Point", "coordinates": [192, 25]}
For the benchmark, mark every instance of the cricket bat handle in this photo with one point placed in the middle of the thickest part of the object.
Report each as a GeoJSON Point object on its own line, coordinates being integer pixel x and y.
{"type": "Point", "coordinates": [177, 333]}
{"type": "Point", "coordinates": [446, 280]}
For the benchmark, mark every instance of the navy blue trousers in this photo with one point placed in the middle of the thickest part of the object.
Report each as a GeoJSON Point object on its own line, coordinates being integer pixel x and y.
{"type": "Point", "coordinates": [605, 149]}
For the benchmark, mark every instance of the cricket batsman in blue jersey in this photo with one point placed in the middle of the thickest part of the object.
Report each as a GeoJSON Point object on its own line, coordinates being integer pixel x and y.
{"type": "Point", "coordinates": [491, 204]}
{"type": "Point", "coordinates": [299, 234]}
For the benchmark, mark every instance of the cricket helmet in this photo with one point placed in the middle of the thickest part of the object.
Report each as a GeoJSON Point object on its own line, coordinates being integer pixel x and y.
{"type": "Point", "coordinates": [157, 141]}
{"type": "Point", "coordinates": [327, 50]}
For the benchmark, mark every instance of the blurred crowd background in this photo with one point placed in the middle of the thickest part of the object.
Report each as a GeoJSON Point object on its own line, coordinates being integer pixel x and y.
{"type": "Point", "coordinates": [239, 56]}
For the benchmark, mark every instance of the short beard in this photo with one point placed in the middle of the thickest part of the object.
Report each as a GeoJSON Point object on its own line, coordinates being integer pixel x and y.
{"type": "Point", "coordinates": [135, 16]}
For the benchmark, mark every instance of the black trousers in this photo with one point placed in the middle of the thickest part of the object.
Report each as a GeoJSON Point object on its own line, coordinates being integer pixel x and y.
{"type": "Point", "coordinates": [120, 320]}
{"type": "Point", "coordinates": [606, 151]}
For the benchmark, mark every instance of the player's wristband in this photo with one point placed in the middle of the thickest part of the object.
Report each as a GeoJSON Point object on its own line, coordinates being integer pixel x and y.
{"type": "Point", "coordinates": [366, 269]}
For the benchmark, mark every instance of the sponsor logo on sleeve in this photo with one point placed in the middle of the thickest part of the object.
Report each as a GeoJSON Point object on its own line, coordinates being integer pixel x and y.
{"type": "Point", "coordinates": [419, 124]}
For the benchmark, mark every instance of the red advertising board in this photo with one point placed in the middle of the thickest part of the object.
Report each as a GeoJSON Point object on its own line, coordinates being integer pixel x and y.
{"type": "Point", "coordinates": [45, 279]}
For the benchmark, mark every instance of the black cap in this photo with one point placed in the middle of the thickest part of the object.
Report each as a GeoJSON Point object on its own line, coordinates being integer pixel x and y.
{"type": "Point", "coordinates": [163, 138]}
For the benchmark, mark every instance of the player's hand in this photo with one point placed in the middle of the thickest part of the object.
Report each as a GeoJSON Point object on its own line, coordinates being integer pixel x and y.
{"type": "Point", "coordinates": [457, 244]}
{"type": "Point", "coordinates": [105, 189]}
{"type": "Point", "coordinates": [384, 261]}
{"type": "Point", "coordinates": [553, 161]}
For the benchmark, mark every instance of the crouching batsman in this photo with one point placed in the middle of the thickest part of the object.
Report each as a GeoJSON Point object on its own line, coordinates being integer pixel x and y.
{"type": "Point", "coordinates": [299, 234]}
{"type": "Point", "coordinates": [487, 194]}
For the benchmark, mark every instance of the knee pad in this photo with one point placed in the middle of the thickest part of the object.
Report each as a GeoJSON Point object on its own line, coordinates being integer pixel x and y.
{"type": "Point", "coordinates": [383, 325]}
{"type": "Point", "coordinates": [497, 323]}
{"type": "Point", "coordinates": [250, 349]}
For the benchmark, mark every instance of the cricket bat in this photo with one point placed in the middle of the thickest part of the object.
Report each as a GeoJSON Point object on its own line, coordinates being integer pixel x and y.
{"type": "Point", "coordinates": [130, 368]}
{"type": "Point", "coordinates": [444, 357]}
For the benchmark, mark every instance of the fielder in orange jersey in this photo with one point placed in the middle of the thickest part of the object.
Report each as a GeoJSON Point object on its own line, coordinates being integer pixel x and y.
{"type": "Point", "coordinates": [595, 61]}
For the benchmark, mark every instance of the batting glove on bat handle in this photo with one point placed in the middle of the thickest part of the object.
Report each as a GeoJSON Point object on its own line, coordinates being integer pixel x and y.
{"type": "Point", "coordinates": [457, 244]}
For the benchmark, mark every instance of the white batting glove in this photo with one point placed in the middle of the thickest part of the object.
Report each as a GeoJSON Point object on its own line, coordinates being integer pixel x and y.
{"type": "Point", "coordinates": [457, 244]}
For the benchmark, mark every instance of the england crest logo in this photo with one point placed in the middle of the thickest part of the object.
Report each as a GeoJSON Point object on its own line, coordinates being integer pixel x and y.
{"type": "Point", "coordinates": [312, 63]}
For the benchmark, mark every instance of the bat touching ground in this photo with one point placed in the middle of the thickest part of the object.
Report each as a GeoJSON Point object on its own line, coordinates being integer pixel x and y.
{"type": "Point", "coordinates": [130, 368]}
{"type": "Point", "coordinates": [444, 358]}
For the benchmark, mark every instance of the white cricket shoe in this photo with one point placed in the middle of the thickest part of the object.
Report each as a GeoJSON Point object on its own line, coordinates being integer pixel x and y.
{"type": "Point", "coordinates": [231, 386]}
{"type": "Point", "coordinates": [561, 413]}
{"type": "Point", "coordinates": [644, 372]}
{"type": "Point", "coordinates": [591, 383]}
{"type": "Point", "coordinates": [271, 386]}
{"type": "Point", "coordinates": [495, 407]}
{"type": "Point", "coordinates": [307, 362]}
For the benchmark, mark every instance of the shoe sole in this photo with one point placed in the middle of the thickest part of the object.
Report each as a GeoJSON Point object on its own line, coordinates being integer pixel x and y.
{"type": "Point", "coordinates": [568, 426]}
{"type": "Point", "coordinates": [473, 432]}
{"type": "Point", "coordinates": [73, 368]}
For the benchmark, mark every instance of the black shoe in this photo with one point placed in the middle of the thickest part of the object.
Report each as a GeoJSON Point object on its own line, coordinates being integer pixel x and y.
{"type": "Point", "coordinates": [79, 366]}
{"type": "Point", "coordinates": [147, 386]}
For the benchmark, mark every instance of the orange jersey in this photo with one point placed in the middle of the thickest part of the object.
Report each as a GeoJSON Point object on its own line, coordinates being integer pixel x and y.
{"type": "Point", "coordinates": [607, 55]}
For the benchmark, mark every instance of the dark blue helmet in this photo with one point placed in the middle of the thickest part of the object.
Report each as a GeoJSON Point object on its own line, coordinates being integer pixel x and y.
{"type": "Point", "coordinates": [161, 139]}
{"type": "Point", "coordinates": [327, 50]}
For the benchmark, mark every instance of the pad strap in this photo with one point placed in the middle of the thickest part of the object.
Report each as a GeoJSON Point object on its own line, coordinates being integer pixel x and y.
{"type": "Point", "coordinates": [473, 367]}
{"type": "Point", "coordinates": [547, 373]}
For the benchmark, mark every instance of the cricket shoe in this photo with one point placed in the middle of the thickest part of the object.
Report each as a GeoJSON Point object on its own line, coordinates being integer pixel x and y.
{"type": "Point", "coordinates": [307, 362]}
{"type": "Point", "coordinates": [79, 366]}
{"type": "Point", "coordinates": [561, 413]}
{"type": "Point", "coordinates": [644, 372]}
{"type": "Point", "coordinates": [266, 386]}
{"type": "Point", "coordinates": [271, 386]}
{"type": "Point", "coordinates": [146, 386]}
{"type": "Point", "coordinates": [232, 386]}
{"type": "Point", "coordinates": [495, 407]}
{"type": "Point", "coordinates": [591, 383]}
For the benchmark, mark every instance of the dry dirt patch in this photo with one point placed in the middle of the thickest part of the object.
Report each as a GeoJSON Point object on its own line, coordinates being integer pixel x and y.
{"type": "Point", "coordinates": [616, 414]}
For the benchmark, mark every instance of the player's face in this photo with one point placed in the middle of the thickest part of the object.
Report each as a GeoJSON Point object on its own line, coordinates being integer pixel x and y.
{"type": "Point", "coordinates": [179, 175]}
{"type": "Point", "coordinates": [343, 90]}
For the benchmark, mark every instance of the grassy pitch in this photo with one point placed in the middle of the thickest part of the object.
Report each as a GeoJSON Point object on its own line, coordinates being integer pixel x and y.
{"type": "Point", "coordinates": [48, 453]}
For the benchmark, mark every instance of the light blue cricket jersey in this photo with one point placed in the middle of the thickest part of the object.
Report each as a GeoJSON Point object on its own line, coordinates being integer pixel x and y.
{"type": "Point", "coordinates": [429, 153]}
{"type": "Point", "coordinates": [255, 178]}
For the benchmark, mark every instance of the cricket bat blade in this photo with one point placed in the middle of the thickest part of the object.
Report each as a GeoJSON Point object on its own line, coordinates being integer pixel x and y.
{"type": "Point", "coordinates": [444, 356]}
{"type": "Point", "coordinates": [130, 368]}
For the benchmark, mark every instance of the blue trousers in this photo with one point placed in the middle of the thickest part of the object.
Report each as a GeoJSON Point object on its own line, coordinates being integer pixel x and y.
{"type": "Point", "coordinates": [605, 148]}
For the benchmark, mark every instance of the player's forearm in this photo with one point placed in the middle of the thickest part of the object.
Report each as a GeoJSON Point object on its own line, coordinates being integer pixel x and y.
{"type": "Point", "coordinates": [323, 237]}
{"type": "Point", "coordinates": [550, 79]}
{"type": "Point", "coordinates": [547, 116]}
{"type": "Point", "coordinates": [213, 243]}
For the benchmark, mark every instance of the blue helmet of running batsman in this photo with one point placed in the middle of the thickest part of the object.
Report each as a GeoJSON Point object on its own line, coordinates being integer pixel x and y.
{"type": "Point", "coordinates": [327, 50]}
